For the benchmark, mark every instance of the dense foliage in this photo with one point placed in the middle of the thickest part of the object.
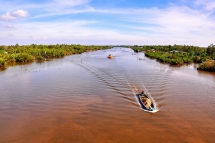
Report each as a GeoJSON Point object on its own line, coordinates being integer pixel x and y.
{"type": "Point", "coordinates": [181, 54]}
{"type": "Point", "coordinates": [208, 65]}
{"type": "Point", "coordinates": [29, 53]}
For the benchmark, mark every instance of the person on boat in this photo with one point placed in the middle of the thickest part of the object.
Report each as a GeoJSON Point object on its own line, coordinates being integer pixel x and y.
{"type": "Point", "coordinates": [147, 102]}
{"type": "Point", "coordinates": [110, 56]}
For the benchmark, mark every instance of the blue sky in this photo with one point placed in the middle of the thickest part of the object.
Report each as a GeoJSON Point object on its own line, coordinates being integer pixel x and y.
{"type": "Point", "coordinates": [107, 22]}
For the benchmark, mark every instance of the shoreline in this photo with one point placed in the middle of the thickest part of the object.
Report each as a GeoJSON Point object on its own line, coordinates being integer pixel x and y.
{"type": "Point", "coordinates": [40, 53]}
{"type": "Point", "coordinates": [180, 55]}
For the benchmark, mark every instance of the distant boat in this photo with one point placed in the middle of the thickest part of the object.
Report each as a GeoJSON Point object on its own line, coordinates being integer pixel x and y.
{"type": "Point", "coordinates": [146, 102]}
{"type": "Point", "coordinates": [136, 51]}
{"type": "Point", "coordinates": [110, 56]}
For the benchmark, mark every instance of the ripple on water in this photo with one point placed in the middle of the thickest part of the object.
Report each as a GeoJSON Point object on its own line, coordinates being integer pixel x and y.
{"type": "Point", "coordinates": [89, 98]}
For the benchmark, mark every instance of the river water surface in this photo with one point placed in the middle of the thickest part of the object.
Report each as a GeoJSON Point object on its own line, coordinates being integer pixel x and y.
{"type": "Point", "coordinates": [88, 98]}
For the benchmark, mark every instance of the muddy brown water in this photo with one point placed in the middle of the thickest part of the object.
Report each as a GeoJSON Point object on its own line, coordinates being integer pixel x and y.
{"type": "Point", "coordinates": [89, 98]}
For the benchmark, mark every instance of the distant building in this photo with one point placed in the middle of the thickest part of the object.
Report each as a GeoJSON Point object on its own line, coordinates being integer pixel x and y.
{"type": "Point", "coordinates": [174, 51]}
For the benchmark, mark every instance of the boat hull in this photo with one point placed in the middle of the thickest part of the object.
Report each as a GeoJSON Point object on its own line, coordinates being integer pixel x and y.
{"type": "Point", "coordinates": [152, 108]}
{"type": "Point", "coordinates": [110, 57]}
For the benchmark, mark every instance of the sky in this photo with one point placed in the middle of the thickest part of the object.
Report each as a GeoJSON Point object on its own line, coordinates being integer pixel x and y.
{"type": "Point", "coordinates": [107, 22]}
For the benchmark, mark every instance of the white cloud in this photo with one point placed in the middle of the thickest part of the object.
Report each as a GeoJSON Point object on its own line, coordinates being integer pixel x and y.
{"type": "Point", "coordinates": [7, 17]}
{"type": "Point", "coordinates": [173, 19]}
{"type": "Point", "coordinates": [76, 32]}
{"type": "Point", "coordinates": [14, 15]}
{"type": "Point", "coordinates": [207, 4]}
{"type": "Point", "coordinates": [10, 26]}
{"type": "Point", "coordinates": [171, 25]}
{"type": "Point", "coordinates": [69, 32]}
{"type": "Point", "coordinates": [20, 13]}
{"type": "Point", "coordinates": [65, 12]}
{"type": "Point", "coordinates": [71, 2]}
{"type": "Point", "coordinates": [40, 37]}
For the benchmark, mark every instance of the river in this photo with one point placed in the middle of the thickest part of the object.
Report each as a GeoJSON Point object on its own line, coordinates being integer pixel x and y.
{"type": "Point", "coordinates": [89, 98]}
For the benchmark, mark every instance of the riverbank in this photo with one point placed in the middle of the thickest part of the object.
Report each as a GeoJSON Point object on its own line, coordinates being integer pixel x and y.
{"type": "Point", "coordinates": [180, 55]}
{"type": "Point", "coordinates": [207, 66]}
{"type": "Point", "coordinates": [30, 53]}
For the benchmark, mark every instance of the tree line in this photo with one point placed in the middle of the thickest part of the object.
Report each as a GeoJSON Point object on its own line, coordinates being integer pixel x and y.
{"type": "Point", "coordinates": [181, 54]}
{"type": "Point", "coordinates": [33, 52]}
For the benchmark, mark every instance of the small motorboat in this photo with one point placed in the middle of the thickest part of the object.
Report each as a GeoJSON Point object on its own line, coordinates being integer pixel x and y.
{"type": "Point", "coordinates": [136, 51]}
{"type": "Point", "coordinates": [110, 56]}
{"type": "Point", "coordinates": [146, 102]}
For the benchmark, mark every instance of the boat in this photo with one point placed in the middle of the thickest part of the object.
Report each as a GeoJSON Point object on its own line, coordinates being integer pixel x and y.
{"type": "Point", "coordinates": [136, 51]}
{"type": "Point", "coordinates": [146, 102]}
{"type": "Point", "coordinates": [110, 56]}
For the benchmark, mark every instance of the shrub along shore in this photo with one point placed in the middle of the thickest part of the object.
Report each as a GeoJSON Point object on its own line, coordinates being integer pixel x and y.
{"type": "Point", "coordinates": [30, 53]}
{"type": "Point", "coordinates": [181, 54]}
{"type": "Point", "coordinates": [173, 55]}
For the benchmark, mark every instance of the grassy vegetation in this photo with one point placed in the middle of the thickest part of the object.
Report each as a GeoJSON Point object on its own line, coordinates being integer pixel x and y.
{"type": "Point", "coordinates": [173, 55]}
{"type": "Point", "coordinates": [29, 53]}
{"type": "Point", "coordinates": [208, 65]}
{"type": "Point", "coordinates": [181, 54]}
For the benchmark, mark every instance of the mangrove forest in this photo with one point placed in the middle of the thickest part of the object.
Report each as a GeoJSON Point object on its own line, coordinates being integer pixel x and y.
{"type": "Point", "coordinates": [30, 53]}
{"type": "Point", "coordinates": [181, 54]}
{"type": "Point", "coordinates": [170, 54]}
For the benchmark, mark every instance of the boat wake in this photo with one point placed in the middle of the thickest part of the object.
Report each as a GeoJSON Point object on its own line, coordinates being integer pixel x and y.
{"type": "Point", "coordinates": [136, 92]}
{"type": "Point", "coordinates": [119, 83]}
